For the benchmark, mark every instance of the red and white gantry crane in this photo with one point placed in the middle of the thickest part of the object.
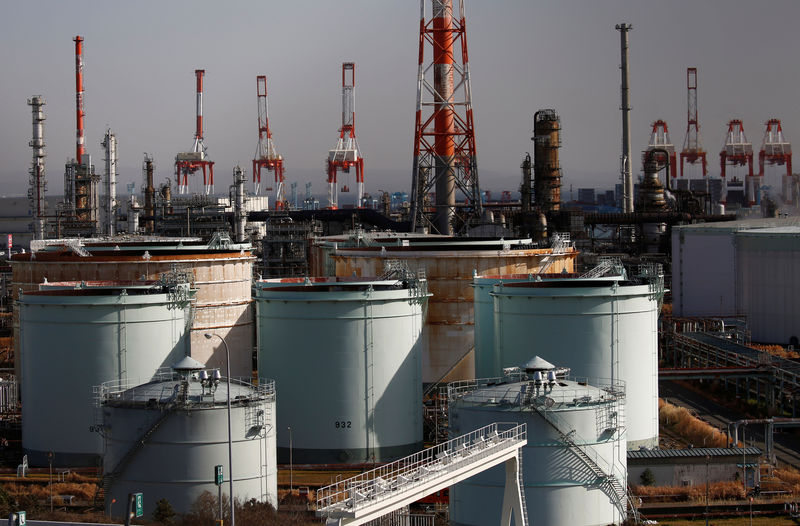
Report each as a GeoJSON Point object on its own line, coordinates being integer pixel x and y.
{"type": "Point", "coordinates": [692, 145]}
{"type": "Point", "coordinates": [659, 140]}
{"type": "Point", "coordinates": [737, 151]}
{"type": "Point", "coordinates": [776, 150]}
{"type": "Point", "coordinates": [346, 154]}
{"type": "Point", "coordinates": [266, 155]}
{"type": "Point", "coordinates": [189, 163]}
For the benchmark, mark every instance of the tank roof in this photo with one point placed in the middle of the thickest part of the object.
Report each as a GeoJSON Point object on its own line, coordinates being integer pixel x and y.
{"type": "Point", "coordinates": [733, 226]}
{"type": "Point", "coordinates": [172, 388]}
{"type": "Point", "coordinates": [520, 391]}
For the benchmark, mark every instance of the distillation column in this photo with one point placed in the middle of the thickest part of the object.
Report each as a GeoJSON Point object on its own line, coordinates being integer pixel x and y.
{"type": "Point", "coordinates": [37, 181]}
{"type": "Point", "coordinates": [546, 167]}
{"type": "Point", "coordinates": [109, 144]}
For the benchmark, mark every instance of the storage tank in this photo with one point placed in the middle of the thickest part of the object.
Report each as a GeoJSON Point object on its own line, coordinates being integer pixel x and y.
{"type": "Point", "coordinates": [346, 358]}
{"type": "Point", "coordinates": [77, 335]}
{"type": "Point", "coordinates": [711, 246]}
{"type": "Point", "coordinates": [164, 438]}
{"type": "Point", "coordinates": [221, 271]}
{"type": "Point", "coordinates": [768, 283]}
{"type": "Point", "coordinates": [599, 328]}
{"type": "Point", "coordinates": [449, 263]}
{"type": "Point", "coordinates": [574, 464]}
{"type": "Point", "coordinates": [486, 364]}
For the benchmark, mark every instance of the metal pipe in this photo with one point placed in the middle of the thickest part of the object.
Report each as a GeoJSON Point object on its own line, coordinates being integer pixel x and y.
{"type": "Point", "coordinates": [208, 336]}
{"type": "Point", "coordinates": [626, 172]}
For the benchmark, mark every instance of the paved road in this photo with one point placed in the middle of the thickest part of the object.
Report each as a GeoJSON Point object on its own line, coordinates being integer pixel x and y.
{"type": "Point", "coordinates": [787, 446]}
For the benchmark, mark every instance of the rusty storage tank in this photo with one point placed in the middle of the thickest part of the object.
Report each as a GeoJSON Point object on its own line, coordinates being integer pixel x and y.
{"type": "Point", "coordinates": [345, 356]}
{"type": "Point", "coordinates": [449, 263]}
{"type": "Point", "coordinates": [79, 334]}
{"type": "Point", "coordinates": [220, 270]}
{"type": "Point", "coordinates": [164, 438]}
{"type": "Point", "coordinates": [546, 167]}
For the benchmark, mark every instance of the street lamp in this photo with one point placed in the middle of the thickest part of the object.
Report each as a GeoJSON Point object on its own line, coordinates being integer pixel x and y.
{"type": "Point", "coordinates": [291, 465]}
{"type": "Point", "coordinates": [208, 336]}
{"type": "Point", "coordinates": [708, 458]}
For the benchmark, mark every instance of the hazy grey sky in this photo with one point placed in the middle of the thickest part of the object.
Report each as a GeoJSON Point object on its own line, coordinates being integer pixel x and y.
{"type": "Point", "coordinates": [140, 59]}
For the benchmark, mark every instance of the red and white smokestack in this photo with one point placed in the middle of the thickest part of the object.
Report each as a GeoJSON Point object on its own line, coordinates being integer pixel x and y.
{"type": "Point", "coordinates": [80, 148]}
{"type": "Point", "coordinates": [444, 125]}
{"type": "Point", "coordinates": [199, 74]}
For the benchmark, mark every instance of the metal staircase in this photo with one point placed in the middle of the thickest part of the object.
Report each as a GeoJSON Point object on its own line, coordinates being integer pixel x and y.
{"type": "Point", "coordinates": [521, 482]}
{"type": "Point", "coordinates": [561, 243]}
{"type": "Point", "coordinates": [108, 478]}
{"type": "Point", "coordinates": [608, 483]}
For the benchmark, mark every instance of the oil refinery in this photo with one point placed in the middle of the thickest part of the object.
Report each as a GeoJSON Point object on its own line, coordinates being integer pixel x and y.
{"type": "Point", "coordinates": [429, 356]}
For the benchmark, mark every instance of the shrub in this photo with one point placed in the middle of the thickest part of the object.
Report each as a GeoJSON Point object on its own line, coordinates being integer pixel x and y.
{"type": "Point", "coordinates": [163, 512]}
{"type": "Point", "coordinates": [647, 477]}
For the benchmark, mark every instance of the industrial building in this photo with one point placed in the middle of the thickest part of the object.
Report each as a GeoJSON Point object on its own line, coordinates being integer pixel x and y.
{"type": "Point", "coordinates": [754, 276]}
{"type": "Point", "coordinates": [373, 324]}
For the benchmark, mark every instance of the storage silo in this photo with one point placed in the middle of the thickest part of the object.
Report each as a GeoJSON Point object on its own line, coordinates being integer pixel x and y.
{"type": "Point", "coordinates": [599, 328]}
{"type": "Point", "coordinates": [75, 336]}
{"type": "Point", "coordinates": [449, 263]}
{"type": "Point", "coordinates": [165, 437]}
{"type": "Point", "coordinates": [574, 464]}
{"type": "Point", "coordinates": [346, 358]}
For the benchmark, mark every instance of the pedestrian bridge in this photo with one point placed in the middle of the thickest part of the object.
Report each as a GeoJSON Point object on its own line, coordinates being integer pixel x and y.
{"type": "Point", "coordinates": [377, 492]}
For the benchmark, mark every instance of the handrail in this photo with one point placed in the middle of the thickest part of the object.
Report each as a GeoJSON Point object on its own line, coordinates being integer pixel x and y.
{"type": "Point", "coordinates": [420, 468]}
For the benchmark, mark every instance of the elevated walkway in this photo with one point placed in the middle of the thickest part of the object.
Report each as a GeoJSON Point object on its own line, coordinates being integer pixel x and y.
{"type": "Point", "coordinates": [377, 492]}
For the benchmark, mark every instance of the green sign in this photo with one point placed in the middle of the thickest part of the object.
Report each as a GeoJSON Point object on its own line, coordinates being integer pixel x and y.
{"type": "Point", "coordinates": [20, 518]}
{"type": "Point", "coordinates": [218, 475]}
{"type": "Point", "coordinates": [139, 504]}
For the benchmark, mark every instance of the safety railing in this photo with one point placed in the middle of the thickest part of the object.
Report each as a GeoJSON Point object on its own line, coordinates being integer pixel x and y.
{"type": "Point", "coordinates": [423, 467]}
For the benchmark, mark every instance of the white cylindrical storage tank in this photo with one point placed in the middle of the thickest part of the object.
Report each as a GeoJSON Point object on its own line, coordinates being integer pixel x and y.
{"type": "Point", "coordinates": [598, 328]}
{"type": "Point", "coordinates": [568, 422]}
{"type": "Point", "coordinates": [346, 358]}
{"type": "Point", "coordinates": [448, 338]}
{"type": "Point", "coordinates": [165, 437]}
{"type": "Point", "coordinates": [72, 339]}
{"type": "Point", "coordinates": [768, 283]}
{"type": "Point", "coordinates": [487, 362]}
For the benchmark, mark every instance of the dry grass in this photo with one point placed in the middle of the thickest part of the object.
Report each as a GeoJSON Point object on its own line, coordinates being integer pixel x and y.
{"type": "Point", "coordinates": [681, 422]}
{"type": "Point", "coordinates": [727, 490]}
{"type": "Point", "coordinates": [790, 477]}
{"type": "Point", "coordinates": [75, 484]}
{"type": "Point", "coordinates": [776, 350]}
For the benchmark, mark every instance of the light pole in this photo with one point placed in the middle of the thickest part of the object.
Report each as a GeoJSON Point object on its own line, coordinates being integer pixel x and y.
{"type": "Point", "coordinates": [50, 460]}
{"type": "Point", "coordinates": [291, 465]}
{"type": "Point", "coordinates": [707, 460]}
{"type": "Point", "coordinates": [208, 336]}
